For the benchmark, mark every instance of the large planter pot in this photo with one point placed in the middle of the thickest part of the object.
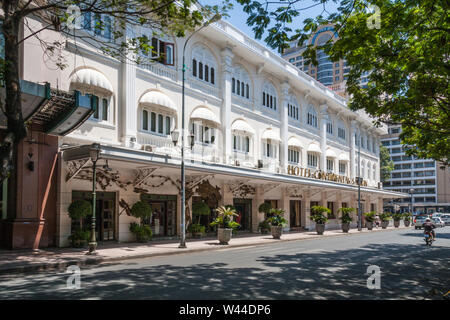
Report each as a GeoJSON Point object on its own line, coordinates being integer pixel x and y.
{"type": "Point", "coordinates": [396, 223]}
{"type": "Point", "coordinates": [384, 224]}
{"type": "Point", "coordinates": [407, 223]}
{"type": "Point", "coordinates": [346, 227]}
{"type": "Point", "coordinates": [224, 235]}
{"type": "Point", "coordinates": [276, 231]}
{"type": "Point", "coordinates": [197, 235]}
{"type": "Point", "coordinates": [320, 228]}
{"type": "Point", "coordinates": [369, 225]}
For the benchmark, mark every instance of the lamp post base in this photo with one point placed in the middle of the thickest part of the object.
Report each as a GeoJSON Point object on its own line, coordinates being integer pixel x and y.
{"type": "Point", "coordinates": [182, 246]}
{"type": "Point", "coordinates": [92, 248]}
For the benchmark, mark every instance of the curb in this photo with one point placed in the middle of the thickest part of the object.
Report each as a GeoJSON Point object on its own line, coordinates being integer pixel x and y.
{"type": "Point", "coordinates": [62, 266]}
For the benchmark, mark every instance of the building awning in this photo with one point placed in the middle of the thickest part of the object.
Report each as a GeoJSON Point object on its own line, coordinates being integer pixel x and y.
{"type": "Point", "coordinates": [205, 114]}
{"type": "Point", "coordinates": [91, 81]}
{"type": "Point", "coordinates": [330, 153]}
{"type": "Point", "coordinates": [313, 147]}
{"type": "Point", "coordinates": [294, 142]}
{"type": "Point", "coordinates": [157, 99]}
{"type": "Point", "coordinates": [271, 134]}
{"type": "Point", "coordinates": [242, 126]}
{"type": "Point", "coordinates": [52, 111]}
{"type": "Point", "coordinates": [344, 157]}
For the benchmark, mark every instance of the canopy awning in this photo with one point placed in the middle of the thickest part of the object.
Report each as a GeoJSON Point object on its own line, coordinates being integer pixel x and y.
{"type": "Point", "coordinates": [242, 126]}
{"type": "Point", "coordinates": [330, 153]}
{"type": "Point", "coordinates": [313, 147]}
{"type": "Point", "coordinates": [159, 100]}
{"type": "Point", "coordinates": [344, 157]}
{"type": "Point", "coordinates": [271, 134]}
{"type": "Point", "coordinates": [205, 114]}
{"type": "Point", "coordinates": [91, 81]}
{"type": "Point", "coordinates": [294, 142]}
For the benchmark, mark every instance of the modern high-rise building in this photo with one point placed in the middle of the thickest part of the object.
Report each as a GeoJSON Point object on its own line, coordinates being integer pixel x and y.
{"type": "Point", "coordinates": [423, 179]}
{"type": "Point", "coordinates": [327, 72]}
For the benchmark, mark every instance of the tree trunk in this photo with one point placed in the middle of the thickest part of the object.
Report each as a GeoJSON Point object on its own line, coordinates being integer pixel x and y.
{"type": "Point", "coordinates": [16, 130]}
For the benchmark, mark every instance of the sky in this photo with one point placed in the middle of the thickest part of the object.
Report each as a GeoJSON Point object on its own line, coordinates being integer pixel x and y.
{"type": "Point", "coordinates": [238, 17]}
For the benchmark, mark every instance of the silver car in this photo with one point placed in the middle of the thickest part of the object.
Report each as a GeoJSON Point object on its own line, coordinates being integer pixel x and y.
{"type": "Point", "coordinates": [446, 218]}
{"type": "Point", "coordinates": [438, 222]}
{"type": "Point", "coordinates": [419, 221]}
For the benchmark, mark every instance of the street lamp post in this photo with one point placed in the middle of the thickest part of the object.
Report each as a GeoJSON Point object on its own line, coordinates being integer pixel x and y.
{"type": "Point", "coordinates": [183, 182]}
{"type": "Point", "coordinates": [411, 191]}
{"type": "Point", "coordinates": [94, 153]}
{"type": "Point", "coordinates": [359, 186]}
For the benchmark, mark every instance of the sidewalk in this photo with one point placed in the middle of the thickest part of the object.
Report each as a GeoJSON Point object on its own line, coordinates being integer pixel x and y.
{"type": "Point", "coordinates": [59, 258]}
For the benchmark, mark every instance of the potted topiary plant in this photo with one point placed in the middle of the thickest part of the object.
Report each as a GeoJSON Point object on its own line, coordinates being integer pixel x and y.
{"type": "Point", "coordinates": [370, 219]}
{"type": "Point", "coordinates": [407, 218]}
{"type": "Point", "coordinates": [319, 217]}
{"type": "Point", "coordinates": [346, 218]}
{"type": "Point", "coordinates": [277, 221]}
{"type": "Point", "coordinates": [385, 217]}
{"type": "Point", "coordinates": [224, 222]}
{"type": "Point", "coordinates": [397, 217]}
{"type": "Point", "coordinates": [264, 226]}
{"type": "Point", "coordinates": [78, 210]}
{"type": "Point", "coordinates": [265, 208]}
{"type": "Point", "coordinates": [199, 209]}
{"type": "Point", "coordinates": [143, 211]}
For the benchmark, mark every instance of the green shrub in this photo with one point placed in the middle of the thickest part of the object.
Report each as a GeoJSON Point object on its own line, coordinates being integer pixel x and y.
{"type": "Point", "coordinates": [264, 226]}
{"type": "Point", "coordinates": [225, 218]}
{"type": "Point", "coordinates": [79, 238]}
{"type": "Point", "coordinates": [385, 216]}
{"type": "Point", "coordinates": [142, 210]}
{"type": "Point", "coordinates": [80, 209]}
{"type": "Point", "coordinates": [143, 233]}
{"type": "Point", "coordinates": [200, 209]}
{"type": "Point", "coordinates": [346, 214]}
{"type": "Point", "coordinates": [370, 216]}
{"type": "Point", "coordinates": [397, 216]}
{"type": "Point", "coordinates": [264, 207]}
{"type": "Point", "coordinates": [196, 228]}
{"type": "Point", "coordinates": [407, 216]}
{"type": "Point", "coordinates": [276, 219]}
{"type": "Point", "coordinates": [318, 214]}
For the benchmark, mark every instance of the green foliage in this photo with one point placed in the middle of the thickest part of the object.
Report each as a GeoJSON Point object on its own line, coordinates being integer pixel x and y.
{"type": "Point", "coordinates": [276, 219]}
{"type": "Point", "coordinates": [142, 210]}
{"type": "Point", "coordinates": [386, 164]}
{"type": "Point", "coordinates": [407, 216]}
{"type": "Point", "coordinates": [80, 209]}
{"type": "Point", "coordinates": [346, 214]}
{"type": "Point", "coordinates": [397, 216]}
{"type": "Point", "coordinates": [264, 208]}
{"type": "Point", "coordinates": [201, 209]}
{"type": "Point", "coordinates": [385, 216]}
{"type": "Point", "coordinates": [142, 232]}
{"type": "Point", "coordinates": [224, 218]}
{"type": "Point", "coordinates": [196, 228]}
{"type": "Point", "coordinates": [370, 216]}
{"type": "Point", "coordinates": [264, 226]}
{"type": "Point", "coordinates": [79, 238]}
{"type": "Point", "coordinates": [406, 57]}
{"type": "Point", "coordinates": [318, 214]}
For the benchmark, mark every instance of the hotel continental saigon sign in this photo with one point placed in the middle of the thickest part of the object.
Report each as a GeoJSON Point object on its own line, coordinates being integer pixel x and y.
{"type": "Point", "coordinates": [319, 174]}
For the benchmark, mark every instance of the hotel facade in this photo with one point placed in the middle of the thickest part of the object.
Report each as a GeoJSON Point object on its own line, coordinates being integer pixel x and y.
{"type": "Point", "coordinates": [262, 131]}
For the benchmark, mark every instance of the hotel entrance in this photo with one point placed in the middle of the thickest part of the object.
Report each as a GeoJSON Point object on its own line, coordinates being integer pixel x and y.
{"type": "Point", "coordinates": [295, 216]}
{"type": "Point", "coordinates": [244, 210]}
{"type": "Point", "coordinates": [163, 219]}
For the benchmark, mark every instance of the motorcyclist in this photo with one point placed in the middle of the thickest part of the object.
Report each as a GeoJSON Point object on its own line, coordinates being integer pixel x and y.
{"type": "Point", "coordinates": [428, 226]}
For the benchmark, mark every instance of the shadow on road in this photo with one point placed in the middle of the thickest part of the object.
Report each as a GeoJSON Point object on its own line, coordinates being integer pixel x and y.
{"type": "Point", "coordinates": [407, 272]}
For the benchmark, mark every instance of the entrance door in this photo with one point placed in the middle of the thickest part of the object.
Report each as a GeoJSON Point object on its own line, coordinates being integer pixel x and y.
{"type": "Point", "coordinates": [158, 221]}
{"type": "Point", "coordinates": [295, 216]}
{"type": "Point", "coordinates": [107, 223]}
{"type": "Point", "coordinates": [244, 210]}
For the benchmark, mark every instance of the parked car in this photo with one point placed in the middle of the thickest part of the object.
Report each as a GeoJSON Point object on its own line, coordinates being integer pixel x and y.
{"type": "Point", "coordinates": [419, 221]}
{"type": "Point", "coordinates": [436, 215]}
{"type": "Point", "coordinates": [446, 218]}
{"type": "Point", "coordinates": [438, 222]}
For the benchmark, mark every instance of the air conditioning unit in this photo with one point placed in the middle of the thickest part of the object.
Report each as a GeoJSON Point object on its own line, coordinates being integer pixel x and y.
{"type": "Point", "coordinates": [260, 164]}
{"type": "Point", "coordinates": [147, 147]}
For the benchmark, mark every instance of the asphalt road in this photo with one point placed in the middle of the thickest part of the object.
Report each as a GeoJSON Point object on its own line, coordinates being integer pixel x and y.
{"type": "Point", "coordinates": [328, 268]}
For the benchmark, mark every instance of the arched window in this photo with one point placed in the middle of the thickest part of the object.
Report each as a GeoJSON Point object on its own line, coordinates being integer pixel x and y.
{"type": "Point", "coordinates": [269, 96]}
{"type": "Point", "coordinates": [242, 82]}
{"type": "Point", "coordinates": [293, 109]}
{"type": "Point", "coordinates": [342, 132]}
{"type": "Point", "coordinates": [312, 117]}
{"type": "Point", "coordinates": [203, 64]}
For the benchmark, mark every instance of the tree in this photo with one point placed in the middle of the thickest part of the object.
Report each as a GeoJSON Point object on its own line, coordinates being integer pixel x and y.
{"type": "Point", "coordinates": [64, 16]}
{"type": "Point", "coordinates": [407, 56]}
{"type": "Point", "coordinates": [386, 164]}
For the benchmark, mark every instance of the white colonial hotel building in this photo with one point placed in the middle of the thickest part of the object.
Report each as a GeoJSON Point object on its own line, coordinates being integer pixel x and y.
{"type": "Point", "coordinates": [255, 118]}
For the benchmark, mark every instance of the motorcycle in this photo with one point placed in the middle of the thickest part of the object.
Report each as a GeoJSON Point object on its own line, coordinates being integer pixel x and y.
{"type": "Point", "coordinates": [428, 238]}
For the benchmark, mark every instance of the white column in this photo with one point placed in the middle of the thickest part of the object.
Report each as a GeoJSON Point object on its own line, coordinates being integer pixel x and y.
{"type": "Point", "coordinates": [323, 137]}
{"type": "Point", "coordinates": [352, 167]}
{"type": "Point", "coordinates": [284, 126]}
{"type": "Point", "coordinates": [128, 111]}
{"type": "Point", "coordinates": [225, 115]}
